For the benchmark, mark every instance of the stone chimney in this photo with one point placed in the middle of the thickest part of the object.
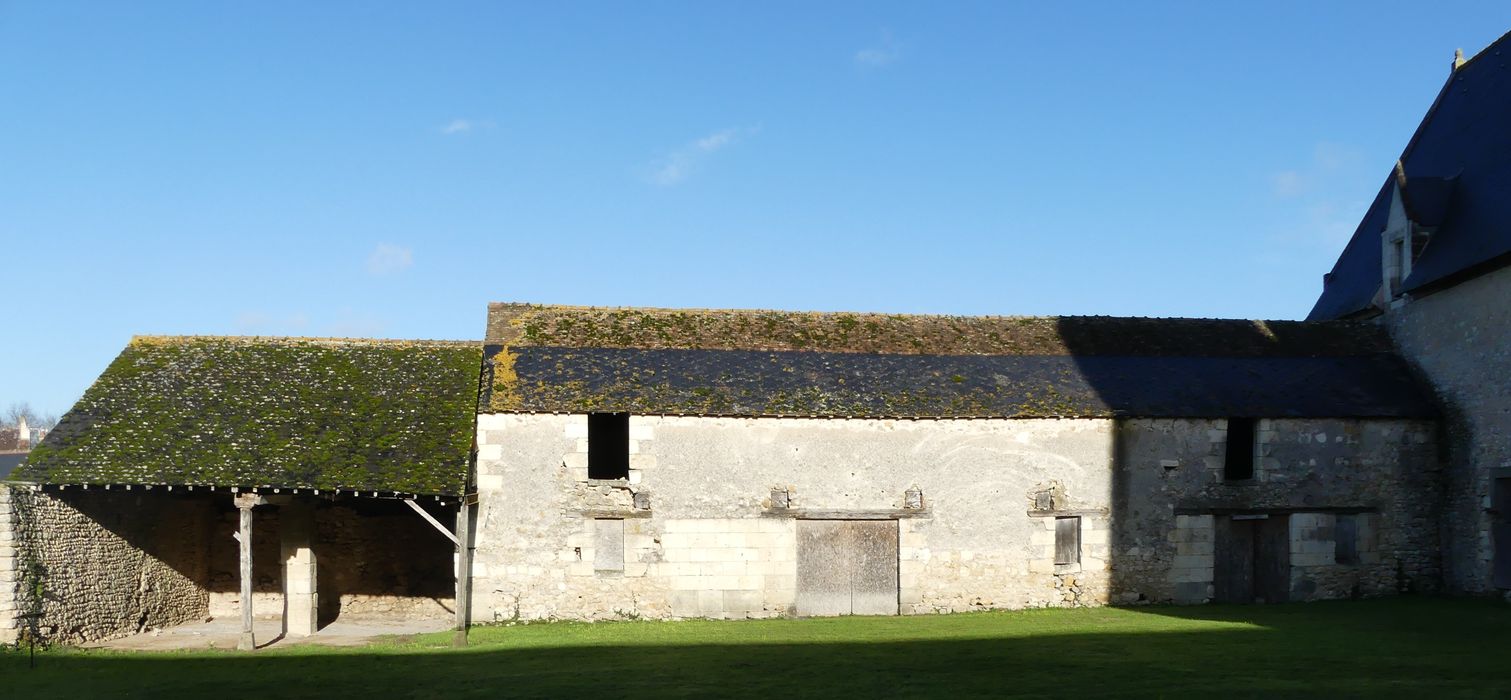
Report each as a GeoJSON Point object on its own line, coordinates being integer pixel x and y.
{"type": "Point", "coordinates": [23, 433]}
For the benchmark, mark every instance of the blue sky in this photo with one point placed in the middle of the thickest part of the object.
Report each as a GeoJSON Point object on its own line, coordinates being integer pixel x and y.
{"type": "Point", "coordinates": [367, 169]}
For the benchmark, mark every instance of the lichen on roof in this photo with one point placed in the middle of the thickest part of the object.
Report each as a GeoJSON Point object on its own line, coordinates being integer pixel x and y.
{"type": "Point", "coordinates": [777, 363]}
{"type": "Point", "coordinates": [376, 415]}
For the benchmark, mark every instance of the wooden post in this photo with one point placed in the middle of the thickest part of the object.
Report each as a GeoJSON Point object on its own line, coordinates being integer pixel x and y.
{"type": "Point", "coordinates": [248, 642]}
{"type": "Point", "coordinates": [463, 571]}
{"type": "Point", "coordinates": [245, 503]}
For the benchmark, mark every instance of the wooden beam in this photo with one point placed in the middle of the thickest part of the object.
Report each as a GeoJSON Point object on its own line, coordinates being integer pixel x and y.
{"type": "Point", "coordinates": [463, 573]}
{"type": "Point", "coordinates": [247, 642]}
{"type": "Point", "coordinates": [431, 519]}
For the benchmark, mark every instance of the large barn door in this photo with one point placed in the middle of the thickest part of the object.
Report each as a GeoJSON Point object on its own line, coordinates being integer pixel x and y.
{"type": "Point", "coordinates": [1253, 559]}
{"type": "Point", "coordinates": [846, 567]}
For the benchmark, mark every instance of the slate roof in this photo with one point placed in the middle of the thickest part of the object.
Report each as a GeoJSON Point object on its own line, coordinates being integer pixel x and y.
{"type": "Point", "coordinates": [278, 412]}
{"type": "Point", "coordinates": [1458, 178]}
{"type": "Point", "coordinates": [774, 363]}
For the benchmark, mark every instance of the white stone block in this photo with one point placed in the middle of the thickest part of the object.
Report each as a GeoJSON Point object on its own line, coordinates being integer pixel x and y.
{"type": "Point", "coordinates": [490, 453]}
{"type": "Point", "coordinates": [490, 482]}
{"type": "Point", "coordinates": [576, 428]}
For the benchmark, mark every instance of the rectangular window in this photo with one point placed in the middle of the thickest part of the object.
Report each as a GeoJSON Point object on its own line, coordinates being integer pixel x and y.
{"type": "Point", "coordinates": [608, 445]}
{"type": "Point", "coordinates": [1346, 539]}
{"type": "Point", "coordinates": [1068, 540]}
{"type": "Point", "coordinates": [1239, 460]}
{"type": "Point", "coordinates": [608, 545]}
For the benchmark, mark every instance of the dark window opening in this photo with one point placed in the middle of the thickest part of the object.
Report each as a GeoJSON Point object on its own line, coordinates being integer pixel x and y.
{"type": "Point", "coordinates": [1239, 462]}
{"type": "Point", "coordinates": [1346, 539]}
{"type": "Point", "coordinates": [608, 445]}
{"type": "Point", "coordinates": [1068, 540]}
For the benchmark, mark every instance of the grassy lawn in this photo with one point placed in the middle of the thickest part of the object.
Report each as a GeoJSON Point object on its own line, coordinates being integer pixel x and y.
{"type": "Point", "coordinates": [1405, 647]}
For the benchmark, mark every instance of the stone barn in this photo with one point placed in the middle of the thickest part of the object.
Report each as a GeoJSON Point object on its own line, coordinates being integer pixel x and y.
{"type": "Point", "coordinates": [686, 463]}
{"type": "Point", "coordinates": [221, 477]}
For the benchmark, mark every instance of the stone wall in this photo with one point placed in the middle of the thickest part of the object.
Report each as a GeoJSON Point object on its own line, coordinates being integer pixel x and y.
{"type": "Point", "coordinates": [1460, 339]}
{"type": "Point", "coordinates": [11, 577]}
{"type": "Point", "coordinates": [1174, 468]}
{"type": "Point", "coordinates": [110, 563]}
{"type": "Point", "coordinates": [705, 524]}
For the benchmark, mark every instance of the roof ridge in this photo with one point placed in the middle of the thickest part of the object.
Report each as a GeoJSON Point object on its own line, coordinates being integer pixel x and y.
{"type": "Point", "coordinates": [1482, 51]}
{"type": "Point", "coordinates": [527, 306]}
{"type": "Point", "coordinates": [333, 340]}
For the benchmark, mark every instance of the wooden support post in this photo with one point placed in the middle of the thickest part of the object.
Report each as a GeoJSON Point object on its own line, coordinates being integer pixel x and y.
{"type": "Point", "coordinates": [463, 572]}
{"type": "Point", "coordinates": [248, 642]}
{"type": "Point", "coordinates": [245, 503]}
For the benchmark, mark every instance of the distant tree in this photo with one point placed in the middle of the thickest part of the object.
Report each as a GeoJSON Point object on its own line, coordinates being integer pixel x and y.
{"type": "Point", "coordinates": [48, 422]}
{"type": "Point", "coordinates": [19, 410]}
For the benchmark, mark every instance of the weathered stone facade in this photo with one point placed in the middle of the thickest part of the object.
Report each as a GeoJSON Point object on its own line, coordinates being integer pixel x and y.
{"type": "Point", "coordinates": [706, 523]}
{"type": "Point", "coordinates": [107, 563]}
{"type": "Point", "coordinates": [1460, 339]}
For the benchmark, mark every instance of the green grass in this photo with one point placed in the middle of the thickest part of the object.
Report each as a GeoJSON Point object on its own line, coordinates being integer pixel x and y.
{"type": "Point", "coordinates": [1408, 647]}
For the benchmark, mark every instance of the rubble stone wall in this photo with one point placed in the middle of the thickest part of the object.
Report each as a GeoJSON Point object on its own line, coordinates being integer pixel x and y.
{"type": "Point", "coordinates": [107, 563]}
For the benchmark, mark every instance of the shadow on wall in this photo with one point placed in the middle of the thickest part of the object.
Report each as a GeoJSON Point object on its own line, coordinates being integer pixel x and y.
{"type": "Point", "coordinates": [122, 562]}
{"type": "Point", "coordinates": [1372, 649]}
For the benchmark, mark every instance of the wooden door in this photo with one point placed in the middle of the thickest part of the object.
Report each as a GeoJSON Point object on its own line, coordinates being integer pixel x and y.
{"type": "Point", "coordinates": [1252, 562]}
{"type": "Point", "coordinates": [1272, 559]}
{"type": "Point", "coordinates": [846, 567]}
{"type": "Point", "coordinates": [1233, 563]}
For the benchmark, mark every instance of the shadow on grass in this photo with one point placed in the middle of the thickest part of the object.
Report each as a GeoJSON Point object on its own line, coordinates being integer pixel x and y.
{"type": "Point", "coordinates": [1384, 648]}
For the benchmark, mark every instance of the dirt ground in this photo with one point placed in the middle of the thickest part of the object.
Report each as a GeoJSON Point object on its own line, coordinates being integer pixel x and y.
{"type": "Point", "coordinates": [223, 633]}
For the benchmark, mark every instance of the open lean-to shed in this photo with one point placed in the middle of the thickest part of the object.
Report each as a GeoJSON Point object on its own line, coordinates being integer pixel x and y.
{"type": "Point", "coordinates": [199, 476]}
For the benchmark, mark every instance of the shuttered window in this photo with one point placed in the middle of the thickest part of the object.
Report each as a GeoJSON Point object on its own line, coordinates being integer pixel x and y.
{"type": "Point", "coordinates": [1068, 540]}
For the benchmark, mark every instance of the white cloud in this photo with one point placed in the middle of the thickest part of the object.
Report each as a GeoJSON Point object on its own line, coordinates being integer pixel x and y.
{"type": "Point", "coordinates": [878, 56]}
{"type": "Point", "coordinates": [675, 166]}
{"type": "Point", "coordinates": [462, 126]}
{"type": "Point", "coordinates": [387, 259]}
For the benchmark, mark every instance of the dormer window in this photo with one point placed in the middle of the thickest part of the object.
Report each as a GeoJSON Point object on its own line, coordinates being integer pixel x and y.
{"type": "Point", "coordinates": [1397, 266]}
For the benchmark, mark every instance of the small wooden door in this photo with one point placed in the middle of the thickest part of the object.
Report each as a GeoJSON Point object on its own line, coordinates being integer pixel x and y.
{"type": "Point", "coordinates": [1253, 559]}
{"type": "Point", "coordinates": [846, 567]}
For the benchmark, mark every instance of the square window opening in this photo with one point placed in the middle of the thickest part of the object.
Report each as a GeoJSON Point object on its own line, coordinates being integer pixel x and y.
{"type": "Point", "coordinates": [1068, 540]}
{"type": "Point", "coordinates": [1238, 462]}
{"type": "Point", "coordinates": [608, 445]}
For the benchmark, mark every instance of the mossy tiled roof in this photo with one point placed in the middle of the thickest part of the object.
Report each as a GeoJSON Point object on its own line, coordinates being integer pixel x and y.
{"type": "Point", "coordinates": [774, 363]}
{"type": "Point", "coordinates": [282, 412]}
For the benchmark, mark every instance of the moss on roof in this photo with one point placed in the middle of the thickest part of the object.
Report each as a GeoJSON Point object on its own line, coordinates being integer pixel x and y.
{"type": "Point", "coordinates": [284, 412]}
{"type": "Point", "coordinates": [732, 362]}
{"type": "Point", "coordinates": [517, 325]}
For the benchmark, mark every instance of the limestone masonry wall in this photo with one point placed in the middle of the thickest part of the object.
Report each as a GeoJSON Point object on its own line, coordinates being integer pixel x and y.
{"type": "Point", "coordinates": [110, 563]}
{"type": "Point", "coordinates": [705, 525]}
{"type": "Point", "coordinates": [1460, 338]}
{"type": "Point", "coordinates": [10, 570]}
